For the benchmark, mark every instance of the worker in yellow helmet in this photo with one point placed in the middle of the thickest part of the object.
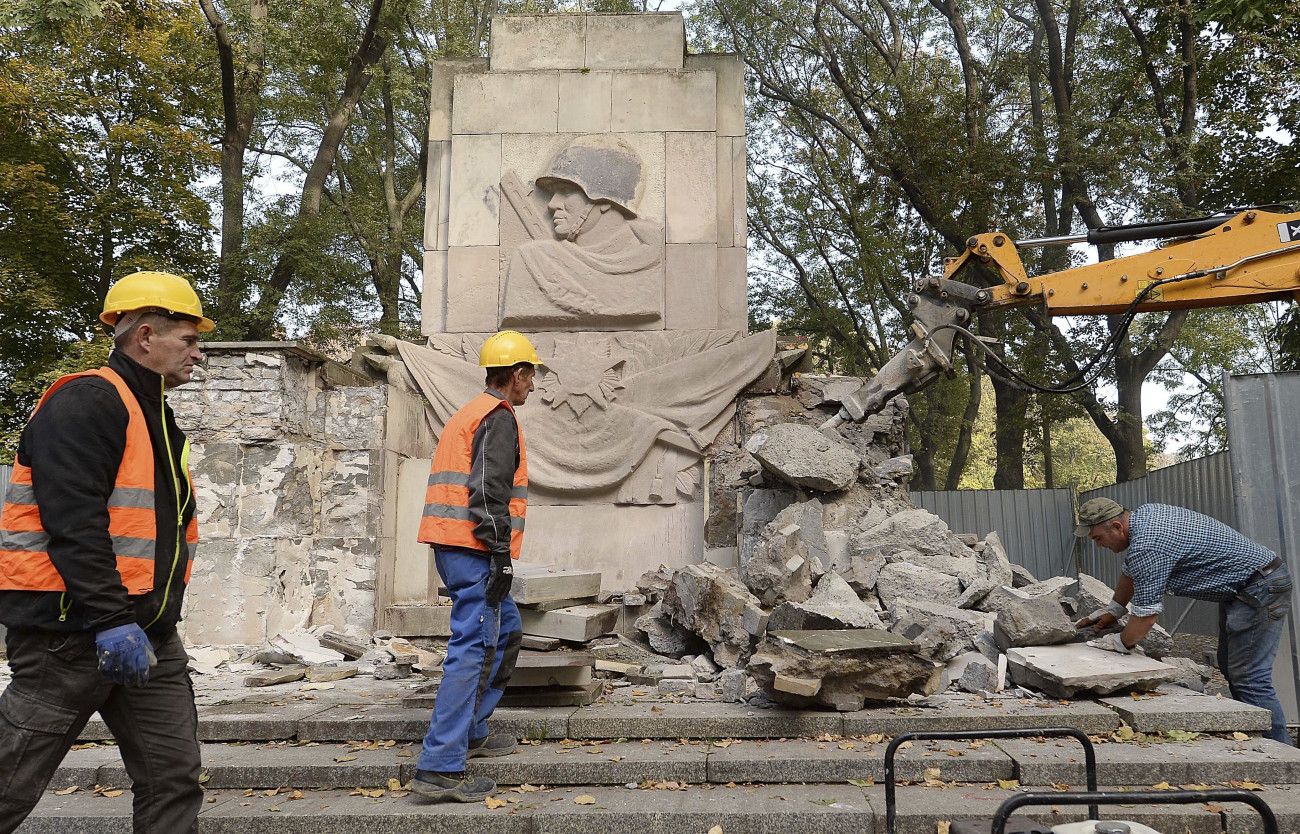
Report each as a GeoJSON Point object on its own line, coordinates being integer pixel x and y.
{"type": "Point", "coordinates": [97, 538]}
{"type": "Point", "coordinates": [474, 518]}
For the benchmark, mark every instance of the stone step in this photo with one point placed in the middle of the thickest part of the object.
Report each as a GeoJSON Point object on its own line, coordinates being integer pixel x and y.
{"type": "Point", "coordinates": [752, 809]}
{"type": "Point", "coordinates": [829, 759]}
{"type": "Point", "coordinates": [649, 716]}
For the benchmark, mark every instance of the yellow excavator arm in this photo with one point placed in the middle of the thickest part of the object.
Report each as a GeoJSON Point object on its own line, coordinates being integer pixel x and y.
{"type": "Point", "coordinates": [1225, 259]}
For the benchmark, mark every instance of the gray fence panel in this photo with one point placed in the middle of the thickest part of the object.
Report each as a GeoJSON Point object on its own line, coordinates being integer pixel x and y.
{"type": "Point", "coordinates": [1203, 485]}
{"type": "Point", "coordinates": [1035, 525]}
{"type": "Point", "coordinates": [1264, 439]}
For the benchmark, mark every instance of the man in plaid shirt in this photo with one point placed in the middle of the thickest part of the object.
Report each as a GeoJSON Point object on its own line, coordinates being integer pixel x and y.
{"type": "Point", "coordinates": [1176, 551]}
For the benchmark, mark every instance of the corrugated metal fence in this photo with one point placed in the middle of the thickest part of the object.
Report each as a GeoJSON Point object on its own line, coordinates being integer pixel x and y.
{"type": "Point", "coordinates": [1035, 525]}
{"type": "Point", "coordinates": [1203, 485]}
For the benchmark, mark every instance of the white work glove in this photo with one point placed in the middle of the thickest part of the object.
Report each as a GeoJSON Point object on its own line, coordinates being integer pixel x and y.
{"type": "Point", "coordinates": [1114, 643]}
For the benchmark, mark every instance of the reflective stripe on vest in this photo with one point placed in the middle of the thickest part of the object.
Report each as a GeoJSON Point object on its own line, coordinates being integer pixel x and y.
{"type": "Point", "coordinates": [446, 518]}
{"type": "Point", "coordinates": [132, 519]}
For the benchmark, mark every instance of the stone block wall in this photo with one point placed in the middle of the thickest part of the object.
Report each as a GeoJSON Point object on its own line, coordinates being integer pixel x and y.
{"type": "Point", "coordinates": [290, 456]}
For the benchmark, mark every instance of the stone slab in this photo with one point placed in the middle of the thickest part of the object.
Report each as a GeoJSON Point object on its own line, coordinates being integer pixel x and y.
{"type": "Point", "coordinates": [730, 73]}
{"type": "Point", "coordinates": [639, 41]}
{"type": "Point", "coordinates": [1076, 668]}
{"type": "Point", "coordinates": [437, 188]}
{"type": "Point", "coordinates": [842, 759]}
{"type": "Point", "coordinates": [541, 676]}
{"type": "Point", "coordinates": [605, 763]}
{"type": "Point", "coordinates": [1174, 708]}
{"type": "Point", "coordinates": [585, 102]}
{"type": "Point", "coordinates": [239, 721]}
{"type": "Point", "coordinates": [410, 721]}
{"type": "Point", "coordinates": [578, 624]}
{"type": "Point", "coordinates": [82, 767]}
{"type": "Point", "coordinates": [533, 42]}
{"type": "Point", "coordinates": [836, 641]}
{"type": "Point", "coordinates": [664, 101]}
{"type": "Point", "coordinates": [1207, 760]}
{"type": "Point", "coordinates": [691, 188]}
{"type": "Point", "coordinates": [1284, 801]}
{"type": "Point", "coordinates": [970, 713]}
{"type": "Point", "coordinates": [85, 813]}
{"type": "Point", "coordinates": [433, 301]}
{"type": "Point", "coordinates": [418, 620]}
{"type": "Point", "coordinates": [541, 583]}
{"type": "Point", "coordinates": [698, 720]}
{"type": "Point", "coordinates": [497, 102]}
{"type": "Point", "coordinates": [553, 696]}
{"type": "Point", "coordinates": [920, 809]}
{"type": "Point", "coordinates": [261, 767]}
{"type": "Point", "coordinates": [474, 191]}
{"type": "Point", "coordinates": [691, 286]}
{"type": "Point", "coordinates": [473, 287]}
{"type": "Point", "coordinates": [442, 80]}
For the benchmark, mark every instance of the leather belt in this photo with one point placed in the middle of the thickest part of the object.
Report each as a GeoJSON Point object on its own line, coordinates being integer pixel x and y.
{"type": "Point", "coordinates": [1262, 573]}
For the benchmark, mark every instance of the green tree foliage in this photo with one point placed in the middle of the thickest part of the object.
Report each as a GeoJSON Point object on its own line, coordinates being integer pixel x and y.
{"type": "Point", "coordinates": [103, 152]}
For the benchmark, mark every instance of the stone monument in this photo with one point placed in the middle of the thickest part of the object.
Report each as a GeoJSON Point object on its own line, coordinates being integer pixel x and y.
{"type": "Point", "coordinates": [587, 187]}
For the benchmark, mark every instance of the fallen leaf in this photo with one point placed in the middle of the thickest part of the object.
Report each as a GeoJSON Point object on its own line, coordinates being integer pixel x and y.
{"type": "Point", "coordinates": [942, 827]}
{"type": "Point", "coordinates": [826, 802]}
{"type": "Point", "coordinates": [717, 829]}
{"type": "Point", "coordinates": [616, 758]}
{"type": "Point", "coordinates": [111, 793]}
{"type": "Point", "coordinates": [1124, 733]}
{"type": "Point", "coordinates": [68, 790]}
{"type": "Point", "coordinates": [1007, 784]}
{"type": "Point", "coordinates": [493, 802]}
{"type": "Point", "coordinates": [1240, 736]}
{"type": "Point", "coordinates": [271, 792]}
{"type": "Point", "coordinates": [345, 759]}
{"type": "Point", "coordinates": [1247, 786]}
{"type": "Point", "coordinates": [955, 753]}
{"type": "Point", "coordinates": [394, 784]}
{"type": "Point", "coordinates": [584, 800]}
{"type": "Point", "coordinates": [905, 745]}
{"type": "Point", "coordinates": [1162, 786]}
{"type": "Point", "coordinates": [847, 746]}
{"type": "Point", "coordinates": [874, 738]}
{"type": "Point", "coordinates": [862, 783]}
{"type": "Point", "coordinates": [1060, 786]}
{"type": "Point", "coordinates": [1214, 809]}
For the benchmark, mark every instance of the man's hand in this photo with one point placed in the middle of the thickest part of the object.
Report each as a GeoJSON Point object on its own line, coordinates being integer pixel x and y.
{"type": "Point", "coordinates": [1114, 643]}
{"type": "Point", "coordinates": [1102, 621]}
{"type": "Point", "coordinates": [500, 576]}
{"type": "Point", "coordinates": [125, 655]}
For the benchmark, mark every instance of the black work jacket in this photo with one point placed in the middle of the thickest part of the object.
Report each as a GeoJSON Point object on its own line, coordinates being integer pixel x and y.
{"type": "Point", "coordinates": [74, 445]}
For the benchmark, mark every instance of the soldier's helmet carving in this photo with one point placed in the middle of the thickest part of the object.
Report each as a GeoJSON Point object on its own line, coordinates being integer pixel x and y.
{"type": "Point", "coordinates": [603, 166]}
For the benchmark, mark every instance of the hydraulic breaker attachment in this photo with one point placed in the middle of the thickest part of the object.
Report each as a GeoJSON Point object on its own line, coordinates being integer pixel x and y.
{"type": "Point", "coordinates": [937, 305]}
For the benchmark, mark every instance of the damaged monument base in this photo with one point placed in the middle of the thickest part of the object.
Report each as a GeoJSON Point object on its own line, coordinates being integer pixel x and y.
{"type": "Point", "coordinates": [842, 668]}
{"type": "Point", "coordinates": [1067, 671]}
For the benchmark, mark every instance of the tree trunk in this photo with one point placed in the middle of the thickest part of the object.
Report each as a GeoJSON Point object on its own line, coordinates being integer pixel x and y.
{"type": "Point", "coordinates": [1049, 475]}
{"type": "Point", "coordinates": [961, 453]}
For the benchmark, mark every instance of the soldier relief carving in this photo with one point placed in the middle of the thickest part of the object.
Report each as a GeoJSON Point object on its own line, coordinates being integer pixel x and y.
{"type": "Point", "coordinates": [592, 261]}
{"type": "Point", "coordinates": [620, 416]}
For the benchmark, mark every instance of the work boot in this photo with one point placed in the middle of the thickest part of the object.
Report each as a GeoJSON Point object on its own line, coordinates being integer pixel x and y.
{"type": "Point", "coordinates": [496, 744]}
{"type": "Point", "coordinates": [456, 787]}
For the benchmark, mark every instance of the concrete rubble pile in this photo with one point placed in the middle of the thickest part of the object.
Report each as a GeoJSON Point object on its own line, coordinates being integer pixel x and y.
{"type": "Point", "coordinates": [829, 544]}
{"type": "Point", "coordinates": [322, 657]}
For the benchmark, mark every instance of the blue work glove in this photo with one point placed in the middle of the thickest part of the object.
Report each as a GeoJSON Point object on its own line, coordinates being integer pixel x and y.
{"type": "Point", "coordinates": [125, 655]}
{"type": "Point", "coordinates": [500, 576]}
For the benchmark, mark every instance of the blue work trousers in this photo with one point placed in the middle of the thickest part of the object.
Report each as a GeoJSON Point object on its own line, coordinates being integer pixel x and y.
{"type": "Point", "coordinates": [1250, 627]}
{"type": "Point", "coordinates": [480, 659]}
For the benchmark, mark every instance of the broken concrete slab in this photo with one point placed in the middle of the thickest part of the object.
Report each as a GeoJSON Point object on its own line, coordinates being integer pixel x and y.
{"type": "Point", "coordinates": [537, 583]}
{"type": "Point", "coordinates": [919, 530]}
{"type": "Point", "coordinates": [1037, 621]}
{"type": "Point", "coordinates": [863, 570]}
{"type": "Point", "coordinates": [1089, 594]}
{"type": "Point", "coordinates": [578, 624]}
{"type": "Point", "coordinates": [1020, 576]}
{"type": "Point", "coordinates": [791, 556]}
{"type": "Point", "coordinates": [1064, 671]}
{"type": "Point", "coordinates": [712, 603]}
{"type": "Point", "coordinates": [271, 677]}
{"type": "Point", "coordinates": [982, 676]}
{"type": "Point", "coordinates": [664, 636]}
{"type": "Point", "coordinates": [1000, 597]}
{"type": "Point", "coordinates": [965, 568]}
{"type": "Point", "coordinates": [344, 645]}
{"type": "Point", "coordinates": [552, 669]}
{"type": "Point", "coordinates": [326, 672]}
{"type": "Point", "coordinates": [941, 631]}
{"type": "Point", "coordinates": [419, 620]}
{"type": "Point", "coordinates": [993, 558]}
{"type": "Point", "coordinates": [804, 457]}
{"type": "Point", "coordinates": [833, 605]}
{"type": "Point", "coordinates": [903, 581]}
{"type": "Point", "coordinates": [851, 666]}
{"type": "Point", "coordinates": [1171, 706]}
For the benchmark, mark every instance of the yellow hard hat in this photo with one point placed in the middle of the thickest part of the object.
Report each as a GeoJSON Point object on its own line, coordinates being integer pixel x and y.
{"type": "Point", "coordinates": [141, 290]}
{"type": "Point", "coordinates": [506, 348]}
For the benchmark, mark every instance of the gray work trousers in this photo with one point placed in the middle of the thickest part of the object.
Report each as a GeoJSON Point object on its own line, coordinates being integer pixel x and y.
{"type": "Point", "coordinates": [57, 686]}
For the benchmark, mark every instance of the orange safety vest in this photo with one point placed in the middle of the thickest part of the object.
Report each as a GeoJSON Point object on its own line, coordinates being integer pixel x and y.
{"type": "Point", "coordinates": [446, 517]}
{"type": "Point", "coordinates": [132, 518]}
